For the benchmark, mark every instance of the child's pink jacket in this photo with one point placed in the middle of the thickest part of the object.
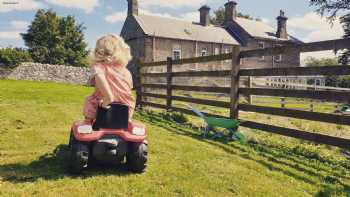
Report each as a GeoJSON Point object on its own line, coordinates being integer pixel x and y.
{"type": "Point", "coordinates": [120, 81]}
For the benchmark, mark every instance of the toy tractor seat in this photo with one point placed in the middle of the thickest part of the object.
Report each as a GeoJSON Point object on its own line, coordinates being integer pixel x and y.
{"type": "Point", "coordinates": [115, 117]}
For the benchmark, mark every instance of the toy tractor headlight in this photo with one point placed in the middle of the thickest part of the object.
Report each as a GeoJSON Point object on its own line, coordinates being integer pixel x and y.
{"type": "Point", "coordinates": [85, 129]}
{"type": "Point", "coordinates": [139, 131]}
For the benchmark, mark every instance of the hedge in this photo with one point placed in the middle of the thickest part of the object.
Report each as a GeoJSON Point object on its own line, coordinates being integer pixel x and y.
{"type": "Point", "coordinates": [11, 57]}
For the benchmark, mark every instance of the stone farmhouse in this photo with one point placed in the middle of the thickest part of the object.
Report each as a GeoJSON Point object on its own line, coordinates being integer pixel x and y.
{"type": "Point", "coordinates": [154, 38]}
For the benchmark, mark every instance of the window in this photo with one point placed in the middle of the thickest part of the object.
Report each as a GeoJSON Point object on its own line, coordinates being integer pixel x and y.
{"type": "Point", "coordinates": [216, 51]}
{"type": "Point", "coordinates": [261, 45]}
{"type": "Point", "coordinates": [204, 52]}
{"type": "Point", "coordinates": [177, 52]}
{"type": "Point", "coordinates": [278, 58]}
{"type": "Point", "coordinates": [226, 51]}
{"type": "Point", "coordinates": [241, 61]}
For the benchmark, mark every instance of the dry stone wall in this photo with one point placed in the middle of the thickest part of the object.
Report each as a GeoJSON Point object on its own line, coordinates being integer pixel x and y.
{"type": "Point", "coordinates": [46, 72]}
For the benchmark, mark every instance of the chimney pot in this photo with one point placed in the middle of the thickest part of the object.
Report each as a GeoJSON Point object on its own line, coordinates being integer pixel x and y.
{"type": "Point", "coordinates": [204, 15]}
{"type": "Point", "coordinates": [282, 26]}
{"type": "Point", "coordinates": [230, 11]}
{"type": "Point", "coordinates": [133, 7]}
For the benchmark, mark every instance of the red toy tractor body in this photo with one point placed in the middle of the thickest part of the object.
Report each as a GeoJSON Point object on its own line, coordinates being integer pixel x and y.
{"type": "Point", "coordinates": [109, 140]}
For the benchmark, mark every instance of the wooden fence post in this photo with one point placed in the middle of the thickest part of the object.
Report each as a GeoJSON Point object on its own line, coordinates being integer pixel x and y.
{"type": "Point", "coordinates": [312, 106]}
{"type": "Point", "coordinates": [169, 80]}
{"type": "Point", "coordinates": [234, 94]}
{"type": "Point", "coordinates": [250, 85]}
{"type": "Point", "coordinates": [283, 102]}
{"type": "Point", "coordinates": [138, 84]}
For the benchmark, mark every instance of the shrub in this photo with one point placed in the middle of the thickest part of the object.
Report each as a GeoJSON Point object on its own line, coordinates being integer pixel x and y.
{"type": "Point", "coordinates": [13, 56]}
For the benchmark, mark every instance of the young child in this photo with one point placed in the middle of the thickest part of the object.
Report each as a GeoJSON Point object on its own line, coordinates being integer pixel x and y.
{"type": "Point", "coordinates": [111, 78]}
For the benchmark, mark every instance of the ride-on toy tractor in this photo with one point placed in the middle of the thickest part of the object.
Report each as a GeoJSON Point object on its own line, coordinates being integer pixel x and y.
{"type": "Point", "coordinates": [110, 140]}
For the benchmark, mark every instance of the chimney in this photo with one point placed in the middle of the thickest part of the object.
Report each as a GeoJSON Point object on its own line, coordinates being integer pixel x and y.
{"type": "Point", "coordinates": [282, 26]}
{"type": "Point", "coordinates": [230, 11]}
{"type": "Point", "coordinates": [204, 15]}
{"type": "Point", "coordinates": [133, 7]}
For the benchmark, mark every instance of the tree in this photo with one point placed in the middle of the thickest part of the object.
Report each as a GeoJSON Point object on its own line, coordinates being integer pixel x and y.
{"type": "Point", "coordinates": [219, 16]}
{"type": "Point", "coordinates": [314, 62]}
{"type": "Point", "coordinates": [331, 8]}
{"type": "Point", "coordinates": [56, 40]}
{"type": "Point", "coordinates": [331, 80]}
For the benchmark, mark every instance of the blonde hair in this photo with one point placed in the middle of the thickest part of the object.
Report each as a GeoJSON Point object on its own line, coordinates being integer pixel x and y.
{"type": "Point", "coordinates": [111, 49]}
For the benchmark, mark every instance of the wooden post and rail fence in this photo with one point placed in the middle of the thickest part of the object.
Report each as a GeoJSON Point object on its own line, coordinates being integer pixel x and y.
{"type": "Point", "coordinates": [235, 73]}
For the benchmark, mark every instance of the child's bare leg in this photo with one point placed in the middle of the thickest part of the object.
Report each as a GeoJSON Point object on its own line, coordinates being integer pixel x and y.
{"type": "Point", "coordinates": [88, 120]}
{"type": "Point", "coordinates": [90, 109]}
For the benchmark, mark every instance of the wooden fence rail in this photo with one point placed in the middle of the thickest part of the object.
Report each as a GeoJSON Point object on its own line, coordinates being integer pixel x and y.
{"type": "Point", "coordinates": [234, 90]}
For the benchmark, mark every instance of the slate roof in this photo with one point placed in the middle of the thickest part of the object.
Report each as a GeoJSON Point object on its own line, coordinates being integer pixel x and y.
{"type": "Point", "coordinates": [179, 29]}
{"type": "Point", "coordinates": [260, 29]}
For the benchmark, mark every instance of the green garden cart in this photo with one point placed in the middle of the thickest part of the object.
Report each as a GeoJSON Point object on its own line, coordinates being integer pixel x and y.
{"type": "Point", "coordinates": [212, 124]}
{"type": "Point", "coordinates": [345, 109]}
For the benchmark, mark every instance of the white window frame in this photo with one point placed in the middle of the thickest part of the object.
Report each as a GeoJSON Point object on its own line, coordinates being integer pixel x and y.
{"type": "Point", "coordinates": [177, 49]}
{"type": "Point", "coordinates": [278, 58]}
{"type": "Point", "coordinates": [216, 51]}
{"type": "Point", "coordinates": [227, 51]}
{"type": "Point", "coordinates": [204, 52]}
{"type": "Point", "coordinates": [261, 45]}
{"type": "Point", "coordinates": [175, 56]}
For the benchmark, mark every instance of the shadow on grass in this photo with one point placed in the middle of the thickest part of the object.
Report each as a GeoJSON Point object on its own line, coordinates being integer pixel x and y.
{"type": "Point", "coordinates": [330, 190]}
{"type": "Point", "coordinates": [53, 166]}
{"type": "Point", "coordinates": [328, 179]}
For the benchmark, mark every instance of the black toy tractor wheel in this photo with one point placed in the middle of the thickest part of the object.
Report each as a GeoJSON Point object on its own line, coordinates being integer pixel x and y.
{"type": "Point", "coordinates": [79, 155]}
{"type": "Point", "coordinates": [136, 157]}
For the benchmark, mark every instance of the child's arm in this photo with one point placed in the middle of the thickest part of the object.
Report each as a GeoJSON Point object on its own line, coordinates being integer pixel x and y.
{"type": "Point", "coordinates": [103, 86]}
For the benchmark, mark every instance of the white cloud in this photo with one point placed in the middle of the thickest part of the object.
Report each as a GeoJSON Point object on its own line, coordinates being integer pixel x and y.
{"type": "Point", "coordinates": [190, 16]}
{"type": "Point", "coordinates": [19, 5]}
{"type": "Point", "coordinates": [116, 17]}
{"type": "Point", "coordinates": [19, 25]}
{"type": "Point", "coordinates": [86, 5]}
{"type": "Point", "coordinates": [10, 34]}
{"type": "Point", "coordinates": [148, 12]}
{"type": "Point", "coordinates": [312, 27]}
{"type": "Point", "coordinates": [172, 3]}
{"type": "Point", "coordinates": [14, 31]}
{"type": "Point", "coordinates": [317, 28]}
{"type": "Point", "coordinates": [120, 16]}
{"type": "Point", "coordinates": [109, 7]}
{"type": "Point", "coordinates": [267, 21]}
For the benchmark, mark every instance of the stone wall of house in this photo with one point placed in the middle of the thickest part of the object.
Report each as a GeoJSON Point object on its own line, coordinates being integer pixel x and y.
{"type": "Point", "coordinates": [163, 48]}
{"type": "Point", "coordinates": [158, 49]}
{"type": "Point", "coordinates": [290, 59]}
{"type": "Point", "coordinates": [46, 72]}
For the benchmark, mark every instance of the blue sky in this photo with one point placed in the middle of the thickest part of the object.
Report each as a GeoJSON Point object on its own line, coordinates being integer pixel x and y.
{"type": "Point", "coordinates": [107, 16]}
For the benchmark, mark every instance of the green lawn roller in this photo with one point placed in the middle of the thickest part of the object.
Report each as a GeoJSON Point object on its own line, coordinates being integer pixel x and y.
{"type": "Point", "coordinates": [212, 123]}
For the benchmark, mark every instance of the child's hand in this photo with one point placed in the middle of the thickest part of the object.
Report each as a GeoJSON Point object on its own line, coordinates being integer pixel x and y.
{"type": "Point", "coordinates": [106, 104]}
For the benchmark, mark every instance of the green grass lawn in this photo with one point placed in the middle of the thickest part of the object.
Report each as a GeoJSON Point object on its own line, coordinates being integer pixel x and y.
{"type": "Point", "coordinates": [36, 117]}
